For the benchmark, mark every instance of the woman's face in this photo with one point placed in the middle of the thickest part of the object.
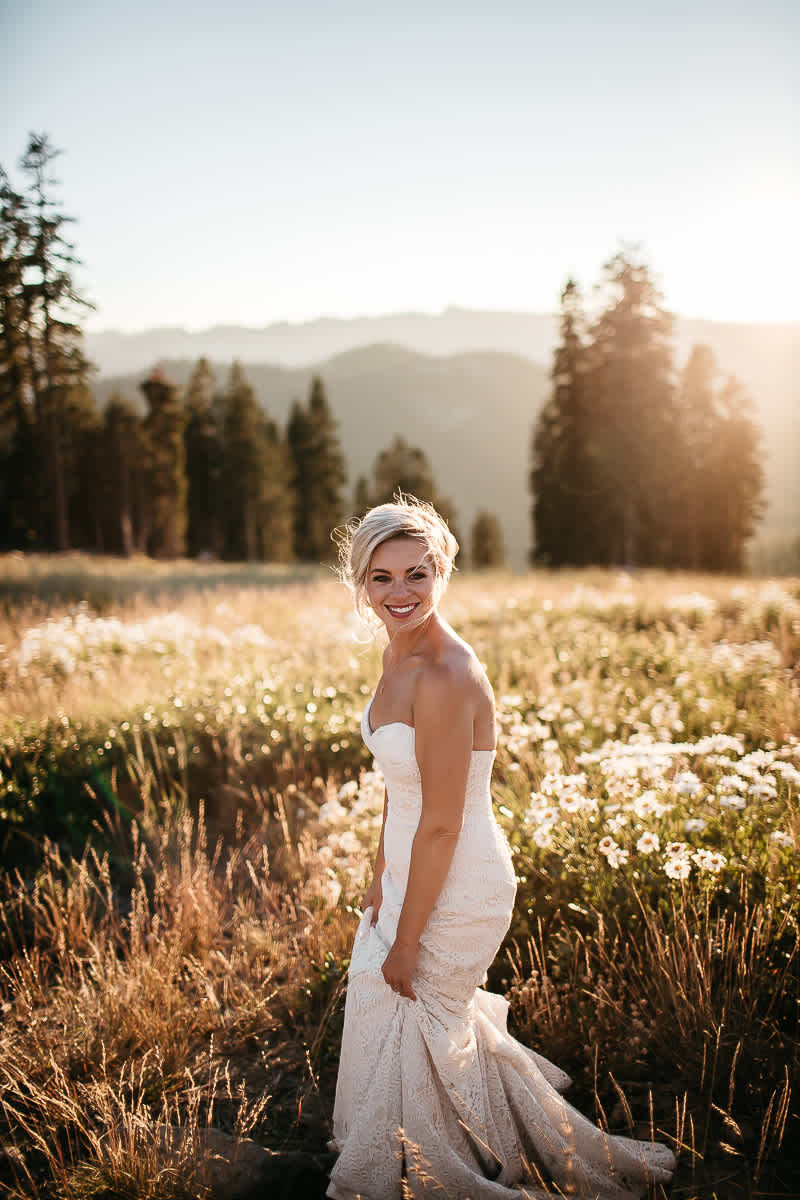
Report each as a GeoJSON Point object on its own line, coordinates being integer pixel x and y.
{"type": "Point", "coordinates": [401, 583]}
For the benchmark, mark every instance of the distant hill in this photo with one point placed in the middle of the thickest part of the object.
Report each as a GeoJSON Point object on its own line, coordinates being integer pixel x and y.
{"type": "Point", "coordinates": [454, 331]}
{"type": "Point", "coordinates": [464, 385]}
{"type": "Point", "coordinates": [472, 413]}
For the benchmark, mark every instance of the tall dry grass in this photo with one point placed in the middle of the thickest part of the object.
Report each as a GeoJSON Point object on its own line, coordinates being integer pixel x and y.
{"type": "Point", "coordinates": [137, 1020]}
{"type": "Point", "coordinates": [182, 975]}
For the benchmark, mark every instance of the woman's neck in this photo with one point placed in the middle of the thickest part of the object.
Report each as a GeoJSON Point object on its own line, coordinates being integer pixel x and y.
{"type": "Point", "coordinates": [411, 641]}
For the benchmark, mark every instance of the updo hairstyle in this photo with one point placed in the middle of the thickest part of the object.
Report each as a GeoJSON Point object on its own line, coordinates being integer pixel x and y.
{"type": "Point", "coordinates": [405, 517]}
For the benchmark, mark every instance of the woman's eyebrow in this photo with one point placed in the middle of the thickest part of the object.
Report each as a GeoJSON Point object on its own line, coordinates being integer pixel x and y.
{"type": "Point", "coordinates": [409, 570]}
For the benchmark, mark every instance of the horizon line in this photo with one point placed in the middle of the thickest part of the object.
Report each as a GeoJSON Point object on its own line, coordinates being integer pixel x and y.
{"type": "Point", "coordinates": [284, 323]}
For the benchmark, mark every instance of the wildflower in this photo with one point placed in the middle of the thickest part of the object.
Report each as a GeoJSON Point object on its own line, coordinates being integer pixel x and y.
{"type": "Point", "coordinates": [687, 784]}
{"type": "Point", "coordinates": [731, 783]}
{"type": "Point", "coordinates": [763, 789]}
{"type": "Point", "coordinates": [614, 855]}
{"type": "Point", "coordinates": [331, 890]}
{"type": "Point", "coordinates": [543, 837]}
{"type": "Point", "coordinates": [648, 842]}
{"type": "Point", "coordinates": [332, 812]}
{"type": "Point", "coordinates": [732, 801]}
{"type": "Point", "coordinates": [694, 825]}
{"type": "Point", "coordinates": [790, 773]}
{"type": "Point", "coordinates": [709, 860]}
{"type": "Point", "coordinates": [648, 805]}
{"type": "Point", "coordinates": [348, 790]}
{"type": "Point", "coordinates": [677, 867]}
{"type": "Point", "coordinates": [346, 842]}
{"type": "Point", "coordinates": [780, 838]}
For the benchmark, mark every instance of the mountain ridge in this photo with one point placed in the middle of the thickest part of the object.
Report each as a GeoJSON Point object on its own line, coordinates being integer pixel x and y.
{"type": "Point", "coordinates": [466, 385]}
{"type": "Point", "coordinates": [472, 413]}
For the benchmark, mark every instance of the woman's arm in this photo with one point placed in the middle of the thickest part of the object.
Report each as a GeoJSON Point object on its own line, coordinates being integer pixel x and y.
{"type": "Point", "coordinates": [443, 720]}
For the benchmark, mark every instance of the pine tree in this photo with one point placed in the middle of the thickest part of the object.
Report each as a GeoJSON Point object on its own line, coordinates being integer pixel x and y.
{"type": "Point", "coordinates": [278, 498]}
{"type": "Point", "coordinates": [20, 470]}
{"type": "Point", "coordinates": [124, 479]}
{"type": "Point", "coordinates": [319, 475]}
{"type": "Point", "coordinates": [256, 478]}
{"type": "Point", "coordinates": [487, 541]}
{"type": "Point", "coordinates": [83, 469]}
{"type": "Point", "coordinates": [361, 497]}
{"type": "Point", "coordinates": [720, 498]}
{"type": "Point", "coordinates": [697, 420]}
{"type": "Point", "coordinates": [166, 462]}
{"type": "Point", "coordinates": [203, 442]}
{"type": "Point", "coordinates": [737, 479]}
{"type": "Point", "coordinates": [50, 305]}
{"type": "Point", "coordinates": [562, 479]}
{"type": "Point", "coordinates": [402, 468]}
{"type": "Point", "coordinates": [632, 421]}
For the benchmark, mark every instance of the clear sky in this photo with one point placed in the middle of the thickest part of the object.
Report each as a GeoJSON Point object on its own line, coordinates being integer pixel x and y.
{"type": "Point", "coordinates": [245, 162]}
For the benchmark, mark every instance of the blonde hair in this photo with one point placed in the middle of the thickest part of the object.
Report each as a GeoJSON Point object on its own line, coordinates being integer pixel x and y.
{"type": "Point", "coordinates": [405, 517]}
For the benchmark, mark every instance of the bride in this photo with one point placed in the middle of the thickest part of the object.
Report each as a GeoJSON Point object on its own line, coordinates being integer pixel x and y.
{"type": "Point", "coordinates": [434, 1098]}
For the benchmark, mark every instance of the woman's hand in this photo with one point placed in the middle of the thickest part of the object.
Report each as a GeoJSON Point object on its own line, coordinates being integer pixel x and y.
{"type": "Point", "coordinates": [374, 897]}
{"type": "Point", "coordinates": [399, 967]}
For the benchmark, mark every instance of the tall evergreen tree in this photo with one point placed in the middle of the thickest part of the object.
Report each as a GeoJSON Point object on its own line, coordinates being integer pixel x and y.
{"type": "Point", "coordinates": [632, 420]}
{"type": "Point", "coordinates": [722, 474]}
{"type": "Point", "coordinates": [20, 469]}
{"type": "Point", "coordinates": [697, 419]}
{"type": "Point", "coordinates": [404, 468]}
{"type": "Point", "coordinates": [83, 469]}
{"type": "Point", "coordinates": [628, 467]}
{"type": "Point", "coordinates": [204, 452]}
{"type": "Point", "coordinates": [562, 479]}
{"type": "Point", "coordinates": [737, 479]}
{"type": "Point", "coordinates": [41, 355]}
{"type": "Point", "coordinates": [125, 479]}
{"type": "Point", "coordinates": [256, 478]}
{"type": "Point", "coordinates": [319, 475]}
{"type": "Point", "coordinates": [166, 460]}
{"type": "Point", "coordinates": [278, 497]}
{"type": "Point", "coordinates": [361, 496]}
{"type": "Point", "coordinates": [50, 310]}
{"type": "Point", "coordinates": [487, 541]}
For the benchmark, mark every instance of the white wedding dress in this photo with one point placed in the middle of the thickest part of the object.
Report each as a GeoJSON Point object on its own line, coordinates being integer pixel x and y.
{"type": "Point", "coordinates": [435, 1091]}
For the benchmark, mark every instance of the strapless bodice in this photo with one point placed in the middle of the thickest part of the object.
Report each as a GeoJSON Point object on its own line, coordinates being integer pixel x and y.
{"type": "Point", "coordinates": [394, 748]}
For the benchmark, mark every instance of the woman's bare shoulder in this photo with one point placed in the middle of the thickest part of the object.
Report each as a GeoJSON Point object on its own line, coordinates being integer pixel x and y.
{"type": "Point", "coordinates": [453, 674]}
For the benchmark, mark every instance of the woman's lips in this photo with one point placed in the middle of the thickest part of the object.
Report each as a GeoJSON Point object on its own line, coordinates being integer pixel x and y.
{"type": "Point", "coordinates": [400, 610]}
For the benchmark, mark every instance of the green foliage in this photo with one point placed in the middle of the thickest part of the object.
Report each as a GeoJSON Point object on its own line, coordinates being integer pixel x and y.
{"type": "Point", "coordinates": [42, 364]}
{"type": "Point", "coordinates": [487, 541]}
{"type": "Point", "coordinates": [718, 500]}
{"type": "Point", "coordinates": [166, 474]}
{"type": "Point", "coordinates": [405, 468]}
{"type": "Point", "coordinates": [255, 478]}
{"type": "Point", "coordinates": [204, 464]}
{"type": "Point", "coordinates": [319, 475]}
{"type": "Point", "coordinates": [564, 492]}
{"type": "Point", "coordinates": [126, 494]}
{"type": "Point", "coordinates": [627, 468]}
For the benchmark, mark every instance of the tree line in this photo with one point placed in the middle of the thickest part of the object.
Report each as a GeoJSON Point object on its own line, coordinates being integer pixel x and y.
{"type": "Point", "coordinates": [633, 464]}
{"type": "Point", "coordinates": [629, 465]}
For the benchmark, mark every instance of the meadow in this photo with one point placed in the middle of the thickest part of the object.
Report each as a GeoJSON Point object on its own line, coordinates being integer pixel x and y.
{"type": "Point", "coordinates": [188, 817]}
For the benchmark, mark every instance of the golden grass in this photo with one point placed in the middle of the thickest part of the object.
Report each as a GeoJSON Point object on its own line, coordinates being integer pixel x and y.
{"type": "Point", "coordinates": [157, 981]}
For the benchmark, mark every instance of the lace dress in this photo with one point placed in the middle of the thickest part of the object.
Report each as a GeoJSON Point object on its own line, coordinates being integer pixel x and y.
{"type": "Point", "coordinates": [435, 1091]}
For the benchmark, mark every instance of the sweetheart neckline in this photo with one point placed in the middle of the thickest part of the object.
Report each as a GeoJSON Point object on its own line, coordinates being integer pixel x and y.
{"type": "Point", "coordinates": [388, 725]}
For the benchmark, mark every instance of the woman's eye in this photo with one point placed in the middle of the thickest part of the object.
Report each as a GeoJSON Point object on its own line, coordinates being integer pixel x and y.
{"type": "Point", "coordinates": [418, 575]}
